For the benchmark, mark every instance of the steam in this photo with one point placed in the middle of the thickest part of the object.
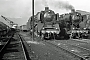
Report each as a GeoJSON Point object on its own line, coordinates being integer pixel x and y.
{"type": "Point", "coordinates": [59, 4]}
{"type": "Point", "coordinates": [62, 5]}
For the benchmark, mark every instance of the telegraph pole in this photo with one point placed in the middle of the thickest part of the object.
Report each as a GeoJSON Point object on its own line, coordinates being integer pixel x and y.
{"type": "Point", "coordinates": [32, 20]}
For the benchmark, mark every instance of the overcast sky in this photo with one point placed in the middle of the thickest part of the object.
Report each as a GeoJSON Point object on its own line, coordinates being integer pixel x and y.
{"type": "Point", "coordinates": [21, 9]}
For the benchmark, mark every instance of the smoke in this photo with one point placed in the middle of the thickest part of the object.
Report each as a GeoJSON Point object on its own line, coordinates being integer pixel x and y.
{"type": "Point", "coordinates": [56, 5]}
{"type": "Point", "coordinates": [65, 5]}
{"type": "Point", "coordinates": [61, 5]}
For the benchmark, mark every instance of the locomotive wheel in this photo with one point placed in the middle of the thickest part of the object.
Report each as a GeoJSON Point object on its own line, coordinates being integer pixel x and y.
{"type": "Point", "coordinates": [47, 36]}
{"type": "Point", "coordinates": [57, 37]}
{"type": "Point", "coordinates": [67, 36]}
{"type": "Point", "coordinates": [52, 36]}
{"type": "Point", "coordinates": [74, 36]}
{"type": "Point", "coordinates": [85, 36]}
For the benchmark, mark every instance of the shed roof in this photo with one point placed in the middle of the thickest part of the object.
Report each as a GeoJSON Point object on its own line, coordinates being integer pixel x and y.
{"type": "Point", "coordinates": [83, 12]}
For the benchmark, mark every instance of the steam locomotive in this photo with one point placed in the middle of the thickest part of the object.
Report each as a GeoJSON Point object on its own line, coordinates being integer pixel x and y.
{"type": "Point", "coordinates": [77, 26]}
{"type": "Point", "coordinates": [46, 25]}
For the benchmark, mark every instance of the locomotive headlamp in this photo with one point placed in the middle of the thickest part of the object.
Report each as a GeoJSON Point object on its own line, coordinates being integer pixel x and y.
{"type": "Point", "coordinates": [31, 30]}
{"type": "Point", "coordinates": [56, 28]}
{"type": "Point", "coordinates": [43, 28]}
{"type": "Point", "coordinates": [77, 14]}
{"type": "Point", "coordinates": [85, 28]}
{"type": "Point", "coordinates": [43, 31]}
{"type": "Point", "coordinates": [73, 28]}
{"type": "Point", "coordinates": [48, 11]}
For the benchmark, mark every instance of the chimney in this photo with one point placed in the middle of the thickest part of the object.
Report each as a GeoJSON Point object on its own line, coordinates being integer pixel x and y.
{"type": "Point", "coordinates": [72, 10]}
{"type": "Point", "coordinates": [46, 8]}
{"type": "Point", "coordinates": [57, 16]}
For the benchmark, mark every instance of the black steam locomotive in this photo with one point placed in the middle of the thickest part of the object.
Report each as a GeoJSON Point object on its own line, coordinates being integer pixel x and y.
{"type": "Point", "coordinates": [74, 22]}
{"type": "Point", "coordinates": [46, 25]}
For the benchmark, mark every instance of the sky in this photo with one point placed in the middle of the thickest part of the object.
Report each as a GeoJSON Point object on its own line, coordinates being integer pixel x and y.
{"type": "Point", "coordinates": [19, 11]}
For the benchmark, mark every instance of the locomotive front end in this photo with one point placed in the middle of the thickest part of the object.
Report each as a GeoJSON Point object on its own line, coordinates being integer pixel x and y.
{"type": "Point", "coordinates": [49, 32]}
{"type": "Point", "coordinates": [80, 33]}
{"type": "Point", "coordinates": [47, 27]}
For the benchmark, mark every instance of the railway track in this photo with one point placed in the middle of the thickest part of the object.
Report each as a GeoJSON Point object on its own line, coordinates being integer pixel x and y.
{"type": "Point", "coordinates": [7, 41]}
{"type": "Point", "coordinates": [15, 50]}
{"type": "Point", "coordinates": [81, 50]}
{"type": "Point", "coordinates": [81, 53]}
{"type": "Point", "coordinates": [77, 44]}
{"type": "Point", "coordinates": [81, 40]}
{"type": "Point", "coordinates": [26, 55]}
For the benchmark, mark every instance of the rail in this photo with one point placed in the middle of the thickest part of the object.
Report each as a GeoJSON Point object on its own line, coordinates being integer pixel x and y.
{"type": "Point", "coordinates": [24, 48]}
{"type": "Point", "coordinates": [5, 46]}
{"type": "Point", "coordinates": [67, 51]}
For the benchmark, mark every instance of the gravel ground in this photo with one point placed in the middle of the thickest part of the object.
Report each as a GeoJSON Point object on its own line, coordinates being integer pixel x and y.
{"type": "Point", "coordinates": [82, 43]}
{"type": "Point", "coordinates": [40, 50]}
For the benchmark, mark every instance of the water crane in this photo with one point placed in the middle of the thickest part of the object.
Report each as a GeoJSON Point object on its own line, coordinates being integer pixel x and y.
{"type": "Point", "coordinates": [12, 24]}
